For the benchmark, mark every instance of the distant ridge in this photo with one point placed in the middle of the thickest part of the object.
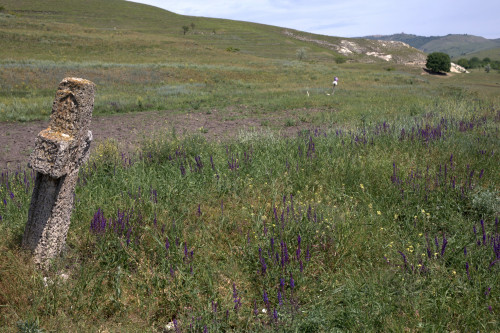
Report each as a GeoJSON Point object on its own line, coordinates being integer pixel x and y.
{"type": "Point", "coordinates": [453, 44]}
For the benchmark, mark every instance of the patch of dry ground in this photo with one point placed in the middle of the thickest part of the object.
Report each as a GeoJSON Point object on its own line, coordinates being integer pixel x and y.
{"type": "Point", "coordinates": [18, 139]}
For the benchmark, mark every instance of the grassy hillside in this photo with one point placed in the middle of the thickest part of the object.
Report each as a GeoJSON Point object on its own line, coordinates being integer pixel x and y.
{"type": "Point", "coordinates": [120, 31]}
{"type": "Point", "coordinates": [413, 40]}
{"type": "Point", "coordinates": [454, 45]}
{"type": "Point", "coordinates": [141, 60]}
{"type": "Point", "coordinates": [493, 54]}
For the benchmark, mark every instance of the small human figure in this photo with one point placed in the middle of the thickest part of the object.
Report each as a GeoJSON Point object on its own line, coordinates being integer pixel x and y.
{"type": "Point", "coordinates": [335, 82]}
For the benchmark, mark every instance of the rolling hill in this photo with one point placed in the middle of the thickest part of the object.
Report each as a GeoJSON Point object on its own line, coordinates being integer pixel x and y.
{"type": "Point", "coordinates": [454, 45]}
{"type": "Point", "coordinates": [117, 30]}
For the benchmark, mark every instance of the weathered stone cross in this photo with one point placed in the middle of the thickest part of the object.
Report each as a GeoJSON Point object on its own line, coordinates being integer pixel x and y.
{"type": "Point", "coordinates": [59, 151]}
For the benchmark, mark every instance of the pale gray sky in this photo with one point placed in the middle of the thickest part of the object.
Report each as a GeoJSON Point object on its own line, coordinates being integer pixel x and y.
{"type": "Point", "coordinates": [353, 18]}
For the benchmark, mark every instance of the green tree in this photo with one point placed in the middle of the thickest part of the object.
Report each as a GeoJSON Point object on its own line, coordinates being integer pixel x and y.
{"type": "Point", "coordinates": [463, 62]}
{"type": "Point", "coordinates": [192, 26]}
{"type": "Point", "coordinates": [438, 62]}
{"type": "Point", "coordinates": [474, 62]}
{"type": "Point", "coordinates": [185, 28]}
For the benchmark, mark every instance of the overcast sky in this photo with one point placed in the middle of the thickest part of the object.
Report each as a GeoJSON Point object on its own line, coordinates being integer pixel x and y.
{"type": "Point", "coordinates": [353, 18]}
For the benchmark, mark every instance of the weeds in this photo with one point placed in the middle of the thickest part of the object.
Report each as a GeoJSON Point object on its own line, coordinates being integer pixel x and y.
{"type": "Point", "coordinates": [259, 234]}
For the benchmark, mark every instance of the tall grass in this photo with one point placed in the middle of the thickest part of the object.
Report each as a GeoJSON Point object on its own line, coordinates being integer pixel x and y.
{"type": "Point", "coordinates": [390, 225]}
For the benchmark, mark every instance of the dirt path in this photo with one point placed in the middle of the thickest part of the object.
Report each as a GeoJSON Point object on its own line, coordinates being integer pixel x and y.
{"type": "Point", "coordinates": [18, 139]}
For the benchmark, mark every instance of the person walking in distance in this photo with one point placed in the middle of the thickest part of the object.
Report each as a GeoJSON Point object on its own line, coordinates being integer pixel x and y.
{"type": "Point", "coordinates": [335, 83]}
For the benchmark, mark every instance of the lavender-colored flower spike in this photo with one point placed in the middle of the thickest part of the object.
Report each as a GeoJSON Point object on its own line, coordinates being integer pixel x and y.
{"type": "Point", "coordinates": [443, 247]}
{"type": "Point", "coordinates": [404, 258]}
{"type": "Point", "coordinates": [484, 232]}
{"type": "Point", "coordinates": [265, 298]}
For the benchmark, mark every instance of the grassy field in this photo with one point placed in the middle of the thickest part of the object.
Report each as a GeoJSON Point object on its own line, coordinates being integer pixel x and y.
{"type": "Point", "coordinates": [493, 54]}
{"type": "Point", "coordinates": [140, 60]}
{"type": "Point", "coordinates": [382, 216]}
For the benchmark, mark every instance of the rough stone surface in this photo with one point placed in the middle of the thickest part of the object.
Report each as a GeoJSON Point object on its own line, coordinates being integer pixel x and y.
{"type": "Point", "coordinates": [59, 151]}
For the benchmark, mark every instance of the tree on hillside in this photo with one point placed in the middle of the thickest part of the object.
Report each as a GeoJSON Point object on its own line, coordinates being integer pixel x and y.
{"type": "Point", "coordinates": [474, 62]}
{"type": "Point", "coordinates": [301, 53]}
{"type": "Point", "coordinates": [185, 29]}
{"type": "Point", "coordinates": [463, 62]}
{"type": "Point", "coordinates": [438, 62]}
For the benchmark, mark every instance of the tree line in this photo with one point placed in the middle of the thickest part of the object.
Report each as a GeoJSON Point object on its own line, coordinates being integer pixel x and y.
{"type": "Point", "coordinates": [475, 62]}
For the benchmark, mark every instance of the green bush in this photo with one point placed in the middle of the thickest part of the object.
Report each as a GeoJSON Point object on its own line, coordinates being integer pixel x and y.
{"type": "Point", "coordinates": [463, 62]}
{"type": "Point", "coordinates": [340, 59]}
{"type": "Point", "coordinates": [438, 62]}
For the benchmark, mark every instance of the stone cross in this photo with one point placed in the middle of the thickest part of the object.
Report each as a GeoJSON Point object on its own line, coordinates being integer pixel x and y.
{"type": "Point", "coordinates": [59, 151]}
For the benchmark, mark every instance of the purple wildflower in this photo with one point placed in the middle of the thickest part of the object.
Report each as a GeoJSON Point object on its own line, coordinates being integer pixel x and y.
{"type": "Point", "coordinates": [265, 298]}
{"type": "Point", "coordinates": [236, 299]}
{"type": "Point", "coordinates": [443, 247]}
{"type": "Point", "coordinates": [484, 232]}
{"type": "Point", "coordinates": [404, 258]}
{"type": "Point", "coordinates": [212, 163]}
{"type": "Point", "coordinates": [292, 282]}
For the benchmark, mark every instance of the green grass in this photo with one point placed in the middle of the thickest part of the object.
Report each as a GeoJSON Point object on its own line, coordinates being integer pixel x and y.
{"type": "Point", "coordinates": [493, 54]}
{"type": "Point", "coordinates": [394, 162]}
{"type": "Point", "coordinates": [338, 190]}
{"type": "Point", "coordinates": [140, 60]}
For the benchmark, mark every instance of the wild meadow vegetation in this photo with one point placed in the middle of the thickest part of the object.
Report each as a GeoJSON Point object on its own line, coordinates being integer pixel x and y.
{"type": "Point", "coordinates": [380, 214]}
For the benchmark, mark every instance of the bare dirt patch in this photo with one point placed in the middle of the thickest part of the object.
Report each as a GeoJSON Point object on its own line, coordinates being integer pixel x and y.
{"type": "Point", "coordinates": [129, 130]}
